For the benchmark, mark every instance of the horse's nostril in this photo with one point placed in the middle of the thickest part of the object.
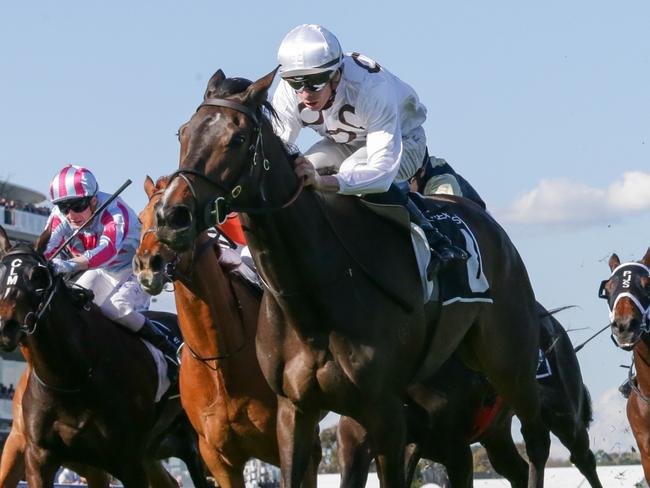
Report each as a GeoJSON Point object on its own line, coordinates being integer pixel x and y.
{"type": "Point", "coordinates": [178, 217]}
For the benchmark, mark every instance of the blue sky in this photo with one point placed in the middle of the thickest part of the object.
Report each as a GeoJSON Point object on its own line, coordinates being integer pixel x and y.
{"type": "Point", "coordinates": [543, 106]}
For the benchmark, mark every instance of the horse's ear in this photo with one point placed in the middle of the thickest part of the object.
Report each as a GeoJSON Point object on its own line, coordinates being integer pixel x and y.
{"type": "Point", "coordinates": [41, 242]}
{"type": "Point", "coordinates": [149, 186]}
{"type": "Point", "coordinates": [646, 259]}
{"type": "Point", "coordinates": [257, 93]}
{"type": "Point", "coordinates": [614, 262]}
{"type": "Point", "coordinates": [5, 245]}
{"type": "Point", "coordinates": [213, 84]}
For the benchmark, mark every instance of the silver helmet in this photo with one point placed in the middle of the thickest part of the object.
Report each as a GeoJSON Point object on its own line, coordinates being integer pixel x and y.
{"type": "Point", "coordinates": [309, 49]}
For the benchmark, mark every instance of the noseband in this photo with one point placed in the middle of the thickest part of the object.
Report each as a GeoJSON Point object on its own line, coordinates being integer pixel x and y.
{"type": "Point", "coordinates": [217, 210]}
{"type": "Point", "coordinates": [627, 274]}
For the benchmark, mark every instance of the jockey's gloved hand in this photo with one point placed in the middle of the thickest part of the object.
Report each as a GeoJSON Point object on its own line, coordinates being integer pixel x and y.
{"type": "Point", "coordinates": [61, 266]}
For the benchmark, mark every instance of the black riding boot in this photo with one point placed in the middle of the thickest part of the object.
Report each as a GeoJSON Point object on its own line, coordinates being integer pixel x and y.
{"type": "Point", "coordinates": [443, 252]}
{"type": "Point", "coordinates": [151, 334]}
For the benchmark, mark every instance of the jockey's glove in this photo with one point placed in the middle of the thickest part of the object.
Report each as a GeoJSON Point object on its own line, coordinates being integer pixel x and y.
{"type": "Point", "coordinates": [61, 266]}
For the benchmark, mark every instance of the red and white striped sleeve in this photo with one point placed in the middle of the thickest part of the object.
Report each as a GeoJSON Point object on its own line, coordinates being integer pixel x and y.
{"type": "Point", "coordinates": [59, 232]}
{"type": "Point", "coordinates": [115, 226]}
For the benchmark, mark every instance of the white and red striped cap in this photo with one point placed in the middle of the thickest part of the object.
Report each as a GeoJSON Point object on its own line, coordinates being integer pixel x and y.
{"type": "Point", "coordinates": [72, 182]}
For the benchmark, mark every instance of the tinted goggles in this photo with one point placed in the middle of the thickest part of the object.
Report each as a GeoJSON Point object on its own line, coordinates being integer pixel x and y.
{"type": "Point", "coordinates": [312, 83]}
{"type": "Point", "coordinates": [78, 205]}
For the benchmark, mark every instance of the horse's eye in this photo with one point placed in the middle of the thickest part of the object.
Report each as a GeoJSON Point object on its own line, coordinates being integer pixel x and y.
{"type": "Point", "coordinates": [237, 140]}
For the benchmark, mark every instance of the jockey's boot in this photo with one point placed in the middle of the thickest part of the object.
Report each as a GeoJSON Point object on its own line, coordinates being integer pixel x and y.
{"type": "Point", "coordinates": [443, 252]}
{"type": "Point", "coordinates": [151, 334]}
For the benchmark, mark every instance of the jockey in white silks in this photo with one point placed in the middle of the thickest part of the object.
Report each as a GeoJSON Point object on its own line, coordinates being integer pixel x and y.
{"type": "Point", "coordinates": [102, 251]}
{"type": "Point", "coordinates": [370, 121]}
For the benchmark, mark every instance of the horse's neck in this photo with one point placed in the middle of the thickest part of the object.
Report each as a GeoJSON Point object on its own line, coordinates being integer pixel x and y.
{"type": "Point", "coordinates": [55, 348]}
{"type": "Point", "coordinates": [290, 240]}
{"type": "Point", "coordinates": [210, 318]}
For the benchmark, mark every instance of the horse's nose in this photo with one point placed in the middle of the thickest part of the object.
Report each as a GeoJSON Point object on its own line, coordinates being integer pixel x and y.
{"type": "Point", "coordinates": [136, 263]}
{"type": "Point", "coordinates": [178, 217]}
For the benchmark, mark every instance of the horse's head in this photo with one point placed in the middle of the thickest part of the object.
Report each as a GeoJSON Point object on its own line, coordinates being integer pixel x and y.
{"type": "Point", "coordinates": [152, 257]}
{"type": "Point", "coordinates": [222, 159]}
{"type": "Point", "coordinates": [26, 284]}
{"type": "Point", "coordinates": [627, 292]}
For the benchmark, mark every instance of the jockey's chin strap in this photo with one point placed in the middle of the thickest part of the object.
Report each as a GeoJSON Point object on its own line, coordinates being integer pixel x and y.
{"type": "Point", "coordinates": [216, 212]}
{"type": "Point", "coordinates": [627, 288]}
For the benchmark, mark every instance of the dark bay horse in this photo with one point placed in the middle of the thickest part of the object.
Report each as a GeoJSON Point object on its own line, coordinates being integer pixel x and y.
{"type": "Point", "coordinates": [223, 391]}
{"type": "Point", "coordinates": [469, 412]}
{"type": "Point", "coordinates": [178, 440]}
{"type": "Point", "coordinates": [342, 324]}
{"type": "Point", "coordinates": [89, 398]}
{"type": "Point", "coordinates": [627, 292]}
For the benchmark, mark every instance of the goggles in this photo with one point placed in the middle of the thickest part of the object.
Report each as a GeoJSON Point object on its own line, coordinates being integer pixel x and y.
{"type": "Point", "coordinates": [314, 83]}
{"type": "Point", "coordinates": [76, 206]}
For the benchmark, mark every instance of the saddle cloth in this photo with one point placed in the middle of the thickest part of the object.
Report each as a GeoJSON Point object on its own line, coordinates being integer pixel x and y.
{"type": "Point", "coordinates": [161, 367]}
{"type": "Point", "coordinates": [466, 284]}
{"type": "Point", "coordinates": [163, 363]}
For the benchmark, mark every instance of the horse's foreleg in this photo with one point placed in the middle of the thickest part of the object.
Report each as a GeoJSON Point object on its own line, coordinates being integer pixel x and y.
{"type": "Point", "coordinates": [12, 463]}
{"type": "Point", "coordinates": [639, 421]}
{"type": "Point", "coordinates": [354, 453]}
{"type": "Point", "coordinates": [505, 458]}
{"type": "Point", "coordinates": [96, 478]}
{"type": "Point", "coordinates": [227, 475]}
{"type": "Point", "coordinates": [39, 469]}
{"type": "Point", "coordinates": [459, 464]}
{"type": "Point", "coordinates": [158, 476]}
{"type": "Point", "coordinates": [412, 457]}
{"type": "Point", "coordinates": [295, 441]}
{"type": "Point", "coordinates": [388, 438]}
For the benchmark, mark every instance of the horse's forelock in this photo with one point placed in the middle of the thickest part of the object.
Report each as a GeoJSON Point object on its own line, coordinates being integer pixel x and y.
{"type": "Point", "coordinates": [230, 86]}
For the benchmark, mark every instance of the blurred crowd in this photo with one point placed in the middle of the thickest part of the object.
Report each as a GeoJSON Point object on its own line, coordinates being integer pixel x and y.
{"type": "Point", "coordinates": [25, 207]}
{"type": "Point", "coordinates": [7, 392]}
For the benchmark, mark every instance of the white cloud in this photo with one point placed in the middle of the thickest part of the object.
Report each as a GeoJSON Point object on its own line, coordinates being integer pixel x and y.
{"type": "Point", "coordinates": [560, 201]}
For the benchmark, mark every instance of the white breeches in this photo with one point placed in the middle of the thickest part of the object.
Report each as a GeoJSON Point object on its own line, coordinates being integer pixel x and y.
{"type": "Point", "coordinates": [327, 154]}
{"type": "Point", "coordinates": [118, 294]}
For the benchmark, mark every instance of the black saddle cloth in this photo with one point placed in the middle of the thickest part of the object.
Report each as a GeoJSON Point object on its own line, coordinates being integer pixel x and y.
{"type": "Point", "coordinates": [167, 324]}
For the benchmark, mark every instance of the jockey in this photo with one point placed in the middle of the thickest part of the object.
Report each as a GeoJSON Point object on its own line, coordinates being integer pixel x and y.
{"type": "Point", "coordinates": [370, 120]}
{"type": "Point", "coordinates": [102, 251]}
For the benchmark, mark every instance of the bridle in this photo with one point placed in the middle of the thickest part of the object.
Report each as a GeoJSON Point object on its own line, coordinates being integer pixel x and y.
{"type": "Point", "coordinates": [33, 318]}
{"type": "Point", "coordinates": [217, 210]}
{"type": "Point", "coordinates": [627, 287]}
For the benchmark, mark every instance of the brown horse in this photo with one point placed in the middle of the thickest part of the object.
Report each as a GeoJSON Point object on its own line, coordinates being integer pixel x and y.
{"type": "Point", "coordinates": [179, 440]}
{"type": "Point", "coordinates": [627, 292]}
{"type": "Point", "coordinates": [222, 387]}
{"type": "Point", "coordinates": [469, 412]}
{"type": "Point", "coordinates": [342, 324]}
{"type": "Point", "coordinates": [12, 463]}
{"type": "Point", "coordinates": [90, 393]}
